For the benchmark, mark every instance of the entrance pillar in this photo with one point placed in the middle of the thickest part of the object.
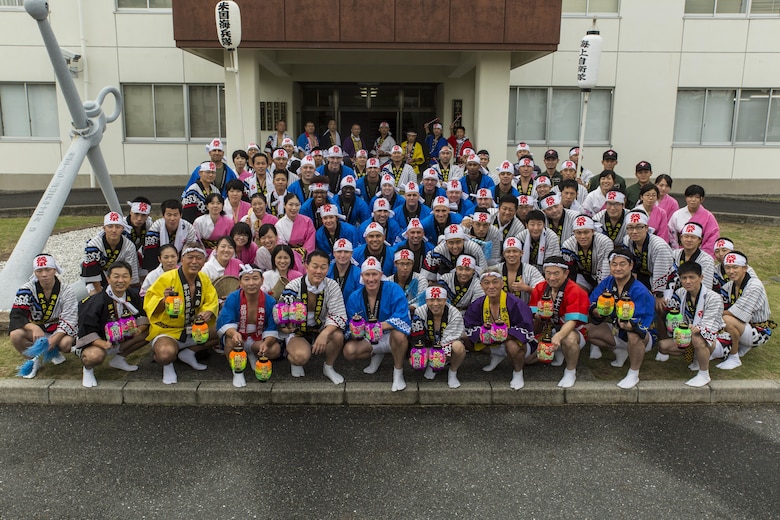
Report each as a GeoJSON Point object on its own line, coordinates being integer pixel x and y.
{"type": "Point", "coordinates": [491, 104]}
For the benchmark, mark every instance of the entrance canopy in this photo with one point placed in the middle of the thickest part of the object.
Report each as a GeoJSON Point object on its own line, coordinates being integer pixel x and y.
{"type": "Point", "coordinates": [365, 61]}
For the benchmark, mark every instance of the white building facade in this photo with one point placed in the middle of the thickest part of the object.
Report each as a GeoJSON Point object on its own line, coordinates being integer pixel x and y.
{"type": "Point", "coordinates": [691, 86]}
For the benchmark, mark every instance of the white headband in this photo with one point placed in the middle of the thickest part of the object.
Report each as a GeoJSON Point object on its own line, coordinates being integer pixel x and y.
{"type": "Point", "coordinates": [612, 256]}
{"type": "Point", "coordinates": [722, 242]}
{"type": "Point", "coordinates": [140, 207]}
{"type": "Point", "coordinates": [735, 259]}
{"type": "Point", "coordinates": [555, 264]}
{"type": "Point", "coordinates": [247, 269]}
{"type": "Point", "coordinates": [46, 262]}
{"type": "Point", "coordinates": [692, 228]}
{"type": "Point", "coordinates": [193, 250]}
{"type": "Point", "coordinates": [371, 264]}
{"type": "Point", "coordinates": [403, 254]}
{"type": "Point", "coordinates": [435, 293]}
{"type": "Point", "coordinates": [490, 273]}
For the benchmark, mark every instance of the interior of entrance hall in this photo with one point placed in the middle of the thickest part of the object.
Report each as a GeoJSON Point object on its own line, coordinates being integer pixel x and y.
{"type": "Point", "coordinates": [403, 106]}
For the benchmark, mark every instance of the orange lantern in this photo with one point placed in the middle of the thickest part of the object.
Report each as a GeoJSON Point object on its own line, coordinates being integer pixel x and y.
{"type": "Point", "coordinates": [237, 359]}
{"type": "Point", "coordinates": [625, 308]}
{"type": "Point", "coordinates": [605, 304]}
{"type": "Point", "coordinates": [173, 304]}
{"type": "Point", "coordinates": [200, 331]}
{"type": "Point", "coordinates": [263, 369]}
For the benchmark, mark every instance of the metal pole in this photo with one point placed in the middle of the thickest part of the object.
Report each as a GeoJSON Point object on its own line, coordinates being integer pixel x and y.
{"type": "Point", "coordinates": [234, 70]}
{"type": "Point", "coordinates": [583, 123]}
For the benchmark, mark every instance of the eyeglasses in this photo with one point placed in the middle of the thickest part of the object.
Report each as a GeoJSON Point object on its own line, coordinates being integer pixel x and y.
{"type": "Point", "coordinates": [636, 227]}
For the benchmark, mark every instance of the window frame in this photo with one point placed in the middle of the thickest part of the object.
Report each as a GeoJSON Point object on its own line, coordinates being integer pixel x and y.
{"type": "Point", "coordinates": [18, 7]}
{"type": "Point", "coordinates": [747, 13]}
{"type": "Point", "coordinates": [589, 14]}
{"type": "Point", "coordinates": [145, 10]}
{"type": "Point", "coordinates": [32, 138]}
{"type": "Point", "coordinates": [188, 138]}
{"type": "Point", "coordinates": [547, 142]}
{"type": "Point", "coordinates": [733, 142]}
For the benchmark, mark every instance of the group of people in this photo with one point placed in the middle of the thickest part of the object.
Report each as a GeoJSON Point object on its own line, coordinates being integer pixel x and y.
{"type": "Point", "coordinates": [295, 253]}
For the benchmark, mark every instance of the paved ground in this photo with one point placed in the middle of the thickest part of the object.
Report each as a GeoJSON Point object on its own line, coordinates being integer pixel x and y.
{"type": "Point", "coordinates": [359, 462]}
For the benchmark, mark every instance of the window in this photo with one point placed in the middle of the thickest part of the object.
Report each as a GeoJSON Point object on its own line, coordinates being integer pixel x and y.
{"type": "Point", "coordinates": [727, 116]}
{"type": "Point", "coordinates": [143, 4]}
{"type": "Point", "coordinates": [11, 3]}
{"type": "Point", "coordinates": [731, 7]}
{"type": "Point", "coordinates": [589, 7]}
{"type": "Point", "coordinates": [174, 112]}
{"type": "Point", "coordinates": [28, 110]}
{"type": "Point", "coordinates": [552, 115]}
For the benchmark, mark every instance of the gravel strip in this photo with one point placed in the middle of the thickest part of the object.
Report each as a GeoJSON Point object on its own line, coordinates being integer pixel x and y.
{"type": "Point", "coordinates": [68, 250]}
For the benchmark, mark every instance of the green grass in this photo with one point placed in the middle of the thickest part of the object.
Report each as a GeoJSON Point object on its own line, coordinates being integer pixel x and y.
{"type": "Point", "coordinates": [761, 363]}
{"type": "Point", "coordinates": [11, 229]}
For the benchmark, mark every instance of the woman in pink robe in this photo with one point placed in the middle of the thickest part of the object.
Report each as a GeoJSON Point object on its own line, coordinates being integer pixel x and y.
{"type": "Point", "coordinates": [268, 239]}
{"type": "Point", "coordinates": [666, 201]}
{"type": "Point", "coordinates": [235, 208]}
{"type": "Point", "coordinates": [659, 220]}
{"type": "Point", "coordinates": [297, 231]}
{"type": "Point", "coordinates": [213, 225]}
{"type": "Point", "coordinates": [258, 216]}
{"type": "Point", "coordinates": [246, 250]}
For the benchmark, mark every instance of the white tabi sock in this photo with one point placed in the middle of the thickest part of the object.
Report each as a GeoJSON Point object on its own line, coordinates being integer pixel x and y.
{"type": "Point", "coordinates": [661, 357]}
{"type": "Point", "coordinates": [452, 379]}
{"type": "Point", "coordinates": [595, 352]}
{"type": "Point", "coordinates": [701, 379]}
{"type": "Point", "coordinates": [620, 357]}
{"type": "Point", "coordinates": [568, 379]}
{"type": "Point", "coordinates": [398, 379]}
{"type": "Point", "coordinates": [630, 381]}
{"type": "Point", "coordinates": [495, 360]}
{"type": "Point", "coordinates": [557, 358]}
{"type": "Point", "coordinates": [58, 359]}
{"type": "Point", "coordinates": [36, 366]}
{"type": "Point", "coordinates": [239, 381]}
{"type": "Point", "coordinates": [88, 378]}
{"type": "Point", "coordinates": [332, 374]}
{"type": "Point", "coordinates": [121, 363]}
{"type": "Point", "coordinates": [188, 356]}
{"type": "Point", "coordinates": [373, 365]}
{"type": "Point", "coordinates": [731, 362]}
{"type": "Point", "coordinates": [429, 373]}
{"type": "Point", "coordinates": [517, 381]}
{"type": "Point", "coordinates": [296, 370]}
{"type": "Point", "coordinates": [169, 374]}
{"type": "Point", "coordinates": [694, 366]}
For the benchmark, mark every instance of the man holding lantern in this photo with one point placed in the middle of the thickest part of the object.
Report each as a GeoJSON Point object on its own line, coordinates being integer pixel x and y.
{"type": "Point", "coordinates": [502, 322]}
{"type": "Point", "coordinates": [622, 303]}
{"type": "Point", "coordinates": [693, 323]}
{"type": "Point", "coordinates": [245, 326]}
{"type": "Point", "coordinates": [561, 311]}
{"type": "Point", "coordinates": [182, 306]}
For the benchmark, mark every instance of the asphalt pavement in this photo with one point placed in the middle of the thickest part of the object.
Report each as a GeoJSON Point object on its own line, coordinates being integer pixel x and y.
{"type": "Point", "coordinates": [398, 463]}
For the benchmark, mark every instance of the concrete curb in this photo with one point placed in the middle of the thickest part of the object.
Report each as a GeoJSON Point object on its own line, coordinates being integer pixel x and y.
{"type": "Point", "coordinates": [295, 393]}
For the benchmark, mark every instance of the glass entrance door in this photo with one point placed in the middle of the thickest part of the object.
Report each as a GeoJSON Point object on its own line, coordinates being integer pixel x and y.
{"type": "Point", "coordinates": [403, 106]}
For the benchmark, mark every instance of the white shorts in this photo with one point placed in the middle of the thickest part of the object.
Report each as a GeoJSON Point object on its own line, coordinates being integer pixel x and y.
{"type": "Point", "coordinates": [751, 337]}
{"type": "Point", "coordinates": [182, 344]}
{"type": "Point", "coordinates": [383, 346]}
